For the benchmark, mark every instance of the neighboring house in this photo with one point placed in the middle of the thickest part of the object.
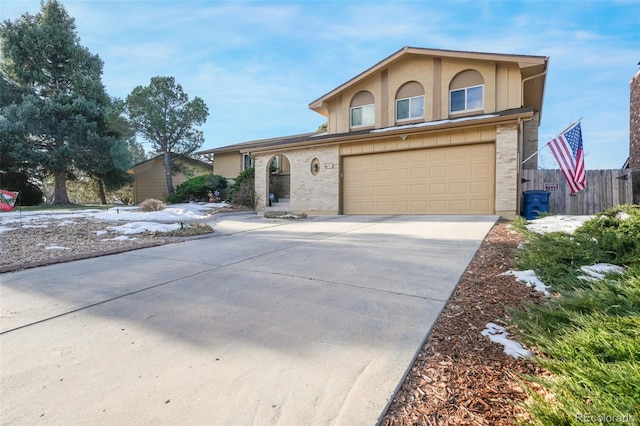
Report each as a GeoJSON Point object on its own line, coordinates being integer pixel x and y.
{"type": "Point", "coordinates": [633, 162]}
{"type": "Point", "coordinates": [423, 131]}
{"type": "Point", "coordinates": [150, 181]}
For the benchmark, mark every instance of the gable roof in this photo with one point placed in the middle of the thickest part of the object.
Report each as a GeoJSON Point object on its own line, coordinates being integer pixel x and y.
{"type": "Point", "coordinates": [529, 65]}
{"type": "Point", "coordinates": [174, 157]}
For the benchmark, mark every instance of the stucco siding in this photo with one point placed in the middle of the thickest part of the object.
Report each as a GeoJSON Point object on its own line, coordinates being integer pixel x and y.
{"type": "Point", "coordinates": [228, 165]}
{"type": "Point", "coordinates": [502, 89]}
{"type": "Point", "coordinates": [415, 68]}
{"type": "Point", "coordinates": [508, 87]}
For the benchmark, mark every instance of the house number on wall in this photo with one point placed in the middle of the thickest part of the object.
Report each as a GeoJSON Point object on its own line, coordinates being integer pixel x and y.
{"type": "Point", "coordinates": [551, 186]}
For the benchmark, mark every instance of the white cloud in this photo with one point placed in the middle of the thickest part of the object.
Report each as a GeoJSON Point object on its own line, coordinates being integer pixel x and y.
{"type": "Point", "coordinates": [257, 65]}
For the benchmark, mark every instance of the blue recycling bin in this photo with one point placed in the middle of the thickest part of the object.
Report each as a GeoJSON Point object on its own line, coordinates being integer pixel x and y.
{"type": "Point", "coordinates": [535, 202]}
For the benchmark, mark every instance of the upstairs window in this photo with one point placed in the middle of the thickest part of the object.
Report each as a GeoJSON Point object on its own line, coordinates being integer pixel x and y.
{"type": "Point", "coordinates": [364, 115]}
{"type": "Point", "coordinates": [410, 108]}
{"type": "Point", "coordinates": [363, 110]}
{"type": "Point", "coordinates": [466, 92]}
{"type": "Point", "coordinates": [467, 99]}
{"type": "Point", "coordinates": [410, 101]}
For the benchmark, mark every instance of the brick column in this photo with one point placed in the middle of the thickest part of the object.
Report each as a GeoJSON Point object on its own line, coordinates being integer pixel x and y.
{"type": "Point", "coordinates": [507, 170]}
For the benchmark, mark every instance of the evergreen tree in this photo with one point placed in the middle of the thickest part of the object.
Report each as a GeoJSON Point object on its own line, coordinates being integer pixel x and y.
{"type": "Point", "coordinates": [58, 101]}
{"type": "Point", "coordinates": [163, 115]}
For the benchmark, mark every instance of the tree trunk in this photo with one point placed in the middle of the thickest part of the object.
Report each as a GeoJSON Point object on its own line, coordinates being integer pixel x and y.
{"type": "Point", "coordinates": [60, 189]}
{"type": "Point", "coordinates": [167, 171]}
{"type": "Point", "coordinates": [103, 195]}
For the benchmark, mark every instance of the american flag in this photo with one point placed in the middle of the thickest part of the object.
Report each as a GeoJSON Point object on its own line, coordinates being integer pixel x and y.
{"type": "Point", "coordinates": [567, 149]}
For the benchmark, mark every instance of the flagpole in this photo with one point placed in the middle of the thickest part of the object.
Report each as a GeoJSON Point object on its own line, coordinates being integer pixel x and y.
{"type": "Point", "coordinates": [547, 144]}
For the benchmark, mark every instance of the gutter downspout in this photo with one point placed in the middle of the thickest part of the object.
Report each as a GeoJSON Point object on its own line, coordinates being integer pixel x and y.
{"type": "Point", "coordinates": [521, 137]}
{"type": "Point", "coordinates": [519, 174]}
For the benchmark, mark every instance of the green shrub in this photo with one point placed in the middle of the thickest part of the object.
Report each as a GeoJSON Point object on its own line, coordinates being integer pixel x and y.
{"type": "Point", "coordinates": [587, 335]}
{"type": "Point", "coordinates": [617, 232]}
{"type": "Point", "coordinates": [198, 188]}
{"type": "Point", "coordinates": [243, 192]}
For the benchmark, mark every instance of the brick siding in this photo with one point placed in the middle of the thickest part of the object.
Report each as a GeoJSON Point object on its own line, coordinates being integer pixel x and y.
{"type": "Point", "coordinates": [634, 123]}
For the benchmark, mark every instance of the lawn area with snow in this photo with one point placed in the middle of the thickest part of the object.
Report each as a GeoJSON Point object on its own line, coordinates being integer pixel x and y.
{"type": "Point", "coordinates": [138, 221]}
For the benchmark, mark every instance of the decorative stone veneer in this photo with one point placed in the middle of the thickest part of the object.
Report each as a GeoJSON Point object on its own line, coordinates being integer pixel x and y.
{"type": "Point", "coordinates": [312, 194]}
{"type": "Point", "coordinates": [507, 170]}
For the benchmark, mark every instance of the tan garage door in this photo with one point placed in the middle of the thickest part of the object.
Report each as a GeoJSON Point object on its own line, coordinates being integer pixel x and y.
{"type": "Point", "coordinates": [451, 180]}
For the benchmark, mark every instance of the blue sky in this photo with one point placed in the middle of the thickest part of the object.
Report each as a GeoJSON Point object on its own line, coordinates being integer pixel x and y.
{"type": "Point", "coordinates": [258, 64]}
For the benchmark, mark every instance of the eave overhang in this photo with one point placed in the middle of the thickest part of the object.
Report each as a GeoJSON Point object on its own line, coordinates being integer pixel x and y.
{"type": "Point", "coordinates": [521, 114]}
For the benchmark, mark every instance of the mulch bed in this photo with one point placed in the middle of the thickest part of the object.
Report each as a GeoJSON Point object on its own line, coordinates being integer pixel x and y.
{"type": "Point", "coordinates": [460, 377]}
{"type": "Point", "coordinates": [90, 255]}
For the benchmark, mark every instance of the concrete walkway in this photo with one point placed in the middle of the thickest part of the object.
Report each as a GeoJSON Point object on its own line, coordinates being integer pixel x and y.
{"type": "Point", "coordinates": [267, 322]}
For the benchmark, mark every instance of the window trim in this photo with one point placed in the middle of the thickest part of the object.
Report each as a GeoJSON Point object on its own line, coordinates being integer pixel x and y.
{"type": "Point", "coordinates": [466, 108]}
{"type": "Point", "coordinates": [409, 118]}
{"type": "Point", "coordinates": [357, 126]}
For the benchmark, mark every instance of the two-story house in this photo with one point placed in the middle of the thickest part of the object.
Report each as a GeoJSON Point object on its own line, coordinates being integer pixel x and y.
{"type": "Point", "coordinates": [423, 131]}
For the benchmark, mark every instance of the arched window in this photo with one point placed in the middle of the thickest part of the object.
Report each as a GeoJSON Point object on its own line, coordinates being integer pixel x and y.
{"type": "Point", "coordinates": [410, 101]}
{"type": "Point", "coordinates": [466, 92]}
{"type": "Point", "coordinates": [363, 110]}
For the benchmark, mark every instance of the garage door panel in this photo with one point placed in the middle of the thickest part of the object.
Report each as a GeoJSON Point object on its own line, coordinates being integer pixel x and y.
{"type": "Point", "coordinates": [458, 205]}
{"type": "Point", "coordinates": [418, 190]}
{"type": "Point", "coordinates": [454, 179]}
{"type": "Point", "coordinates": [480, 187]}
{"type": "Point", "coordinates": [479, 206]}
{"type": "Point", "coordinates": [418, 172]}
{"type": "Point", "coordinates": [459, 170]}
{"type": "Point", "coordinates": [418, 206]}
{"type": "Point", "coordinates": [438, 172]}
{"type": "Point", "coordinates": [401, 174]}
{"type": "Point", "coordinates": [401, 190]}
{"type": "Point", "coordinates": [459, 188]}
{"type": "Point", "coordinates": [401, 206]}
{"type": "Point", "coordinates": [438, 188]}
{"type": "Point", "coordinates": [438, 206]}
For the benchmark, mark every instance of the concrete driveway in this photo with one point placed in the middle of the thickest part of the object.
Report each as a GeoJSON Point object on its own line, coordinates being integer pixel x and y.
{"type": "Point", "coordinates": [267, 322]}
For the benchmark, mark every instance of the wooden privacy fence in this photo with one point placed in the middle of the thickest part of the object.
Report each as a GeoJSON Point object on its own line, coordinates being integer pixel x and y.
{"type": "Point", "coordinates": [604, 189]}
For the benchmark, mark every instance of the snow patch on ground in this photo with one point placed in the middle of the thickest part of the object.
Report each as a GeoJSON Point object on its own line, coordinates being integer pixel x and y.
{"type": "Point", "coordinates": [166, 220]}
{"type": "Point", "coordinates": [56, 248]}
{"type": "Point", "coordinates": [530, 279]}
{"type": "Point", "coordinates": [119, 238]}
{"type": "Point", "coordinates": [558, 223]}
{"type": "Point", "coordinates": [498, 334]}
{"type": "Point", "coordinates": [623, 216]}
{"type": "Point", "coordinates": [140, 227]}
{"type": "Point", "coordinates": [599, 270]}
